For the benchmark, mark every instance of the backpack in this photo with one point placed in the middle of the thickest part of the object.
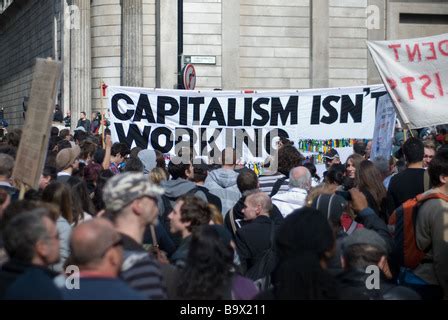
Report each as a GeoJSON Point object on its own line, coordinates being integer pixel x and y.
{"type": "Point", "coordinates": [168, 205]}
{"type": "Point", "coordinates": [261, 272]}
{"type": "Point", "coordinates": [402, 222]}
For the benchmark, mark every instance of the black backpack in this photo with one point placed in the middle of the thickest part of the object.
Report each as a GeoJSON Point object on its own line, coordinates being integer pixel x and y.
{"type": "Point", "coordinates": [168, 205]}
{"type": "Point", "coordinates": [261, 272]}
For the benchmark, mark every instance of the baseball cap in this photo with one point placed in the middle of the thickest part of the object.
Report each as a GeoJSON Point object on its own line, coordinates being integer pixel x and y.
{"type": "Point", "coordinates": [331, 154]}
{"type": "Point", "coordinates": [66, 157]}
{"type": "Point", "coordinates": [124, 188]}
{"type": "Point", "coordinates": [366, 237]}
{"type": "Point", "coordinates": [80, 128]}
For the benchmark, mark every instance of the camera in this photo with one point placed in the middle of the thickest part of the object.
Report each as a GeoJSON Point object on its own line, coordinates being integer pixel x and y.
{"type": "Point", "coordinates": [347, 184]}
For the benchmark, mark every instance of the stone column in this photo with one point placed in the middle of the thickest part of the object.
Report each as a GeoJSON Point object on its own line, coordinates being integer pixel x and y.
{"type": "Point", "coordinates": [375, 31]}
{"type": "Point", "coordinates": [319, 43]}
{"type": "Point", "coordinates": [166, 35]}
{"type": "Point", "coordinates": [80, 63]}
{"type": "Point", "coordinates": [132, 43]}
{"type": "Point", "coordinates": [230, 69]}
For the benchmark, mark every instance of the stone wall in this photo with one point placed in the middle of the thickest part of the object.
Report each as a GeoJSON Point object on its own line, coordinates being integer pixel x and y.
{"type": "Point", "coordinates": [27, 34]}
{"type": "Point", "coordinates": [106, 46]}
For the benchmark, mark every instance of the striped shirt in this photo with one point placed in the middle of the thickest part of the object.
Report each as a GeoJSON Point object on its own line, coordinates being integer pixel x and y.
{"type": "Point", "coordinates": [267, 182]}
{"type": "Point", "coordinates": [140, 271]}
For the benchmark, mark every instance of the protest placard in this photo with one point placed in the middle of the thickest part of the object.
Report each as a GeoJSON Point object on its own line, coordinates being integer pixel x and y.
{"type": "Point", "coordinates": [36, 130]}
{"type": "Point", "coordinates": [415, 73]}
{"type": "Point", "coordinates": [211, 120]}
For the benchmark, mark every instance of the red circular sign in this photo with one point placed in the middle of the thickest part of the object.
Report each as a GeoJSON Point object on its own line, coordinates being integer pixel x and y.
{"type": "Point", "coordinates": [189, 77]}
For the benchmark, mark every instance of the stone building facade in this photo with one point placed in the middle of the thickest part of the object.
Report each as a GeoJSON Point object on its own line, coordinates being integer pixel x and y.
{"type": "Point", "coordinates": [238, 44]}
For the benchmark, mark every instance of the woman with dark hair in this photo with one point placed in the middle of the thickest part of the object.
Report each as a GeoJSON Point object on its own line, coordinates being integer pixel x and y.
{"type": "Point", "coordinates": [368, 179]}
{"type": "Point", "coordinates": [333, 180]}
{"type": "Point", "coordinates": [304, 242]}
{"type": "Point", "coordinates": [83, 208]}
{"type": "Point", "coordinates": [352, 165]}
{"type": "Point", "coordinates": [209, 273]}
{"type": "Point", "coordinates": [103, 176]}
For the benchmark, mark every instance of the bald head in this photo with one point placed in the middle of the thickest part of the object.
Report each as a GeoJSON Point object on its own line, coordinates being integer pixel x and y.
{"type": "Point", "coordinates": [90, 241]}
{"type": "Point", "coordinates": [300, 177]}
{"type": "Point", "coordinates": [261, 199]}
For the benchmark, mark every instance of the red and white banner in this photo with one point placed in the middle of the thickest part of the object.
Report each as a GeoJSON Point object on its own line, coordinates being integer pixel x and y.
{"type": "Point", "coordinates": [415, 73]}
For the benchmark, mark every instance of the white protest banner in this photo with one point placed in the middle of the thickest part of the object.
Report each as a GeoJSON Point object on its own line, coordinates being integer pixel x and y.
{"type": "Point", "coordinates": [384, 129]}
{"type": "Point", "coordinates": [211, 120]}
{"type": "Point", "coordinates": [415, 73]}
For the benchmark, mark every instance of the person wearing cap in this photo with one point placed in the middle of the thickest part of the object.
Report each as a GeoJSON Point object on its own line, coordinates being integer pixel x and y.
{"type": "Point", "coordinates": [67, 163]}
{"type": "Point", "coordinates": [330, 158]}
{"type": "Point", "coordinates": [97, 251]}
{"type": "Point", "coordinates": [363, 251]}
{"type": "Point", "coordinates": [131, 202]}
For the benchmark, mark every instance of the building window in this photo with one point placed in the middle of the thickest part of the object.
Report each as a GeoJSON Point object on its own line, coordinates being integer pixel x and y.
{"type": "Point", "coordinates": [423, 18]}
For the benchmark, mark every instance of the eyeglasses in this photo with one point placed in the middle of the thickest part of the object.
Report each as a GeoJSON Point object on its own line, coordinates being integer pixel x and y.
{"type": "Point", "coordinates": [56, 236]}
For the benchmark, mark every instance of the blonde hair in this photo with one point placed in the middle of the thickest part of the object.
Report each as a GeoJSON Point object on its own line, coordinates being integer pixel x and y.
{"type": "Point", "coordinates": [216, 214]}
{"type": "Point", "coordinates": [157, 175]}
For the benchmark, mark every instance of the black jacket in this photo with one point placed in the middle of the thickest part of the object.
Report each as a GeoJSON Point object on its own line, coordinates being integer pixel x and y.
{"type": "Point", "coordinates": [213, 199]}
{"type": "Point", "coordinates": [352, 286]}
{"type": "Point", "coordinates": [238, 216]}
{"type": "Point", "coordinates": [13, 269]}
{"type": "Point", "coordinates": [252, 240]}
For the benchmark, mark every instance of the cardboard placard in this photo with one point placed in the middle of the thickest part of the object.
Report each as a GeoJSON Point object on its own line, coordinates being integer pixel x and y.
{"type": "Point", "coordinates": [33, 146]}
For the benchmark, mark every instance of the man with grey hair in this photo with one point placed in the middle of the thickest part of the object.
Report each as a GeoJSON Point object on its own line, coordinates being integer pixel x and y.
{"type": "Point", "coordinates": [253, 239]}
{"type": "Point", "coordinates": [32, 243]}
{"type": "Point", "coordinates": [295, 197]}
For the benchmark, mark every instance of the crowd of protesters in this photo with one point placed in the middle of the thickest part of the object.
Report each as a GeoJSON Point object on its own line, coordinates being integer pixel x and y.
{"type": "Point", "coordinates": [131, 226]}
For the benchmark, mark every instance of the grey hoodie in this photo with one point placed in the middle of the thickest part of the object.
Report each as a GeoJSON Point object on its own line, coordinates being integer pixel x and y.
{"type": "Point", "coordinates": [176, 188]}
{"type": "Point", "coordinates": [222, 183]}
{"type": "Point", "coordinates": [148, 158]}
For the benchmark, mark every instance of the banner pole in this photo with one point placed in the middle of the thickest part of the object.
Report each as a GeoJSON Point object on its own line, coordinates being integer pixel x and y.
{"type": "Point", "coordinates": [102, 112]}
{"type": "Point", "coordinates": [22, 191]}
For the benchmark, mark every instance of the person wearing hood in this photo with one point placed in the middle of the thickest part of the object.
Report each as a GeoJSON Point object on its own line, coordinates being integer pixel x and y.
{"type": "Point", "coordinates": [148, 158]}
{"type": "Point", "coordinates": [222, 182]}
{"type": "Point", "coordinates": [179, 185]}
